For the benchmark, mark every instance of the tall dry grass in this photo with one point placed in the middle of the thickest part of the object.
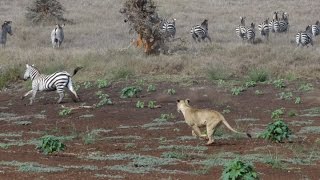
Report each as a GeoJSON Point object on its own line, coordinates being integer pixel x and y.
{"type": "Point", "coordinates": [99, 37]}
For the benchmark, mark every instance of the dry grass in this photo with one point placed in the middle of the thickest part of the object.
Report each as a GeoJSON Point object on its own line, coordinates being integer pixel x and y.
{"type": "Point", "coordinates": [99, 34]}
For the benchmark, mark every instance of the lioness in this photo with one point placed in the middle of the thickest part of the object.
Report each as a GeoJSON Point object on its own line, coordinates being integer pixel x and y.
{"type": "Point", "coordinates": [197, 118]}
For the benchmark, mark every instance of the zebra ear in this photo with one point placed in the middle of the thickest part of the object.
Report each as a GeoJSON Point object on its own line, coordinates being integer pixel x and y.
{"type": "Point", "coordinates": [27, 65]}
{"type": "Point", "coordinates": [32, 65]}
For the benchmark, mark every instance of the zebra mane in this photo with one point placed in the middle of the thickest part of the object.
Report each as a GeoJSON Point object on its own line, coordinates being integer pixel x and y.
{"type": "Point", "coordinates": [33, 67]}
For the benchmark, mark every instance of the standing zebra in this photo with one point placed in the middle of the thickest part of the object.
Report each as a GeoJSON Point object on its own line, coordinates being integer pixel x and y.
{"type": "Point", "coordinates": [315, 29]}
{"type": "Point", "coordinates": [5, 28]}
{"type": "Point", "coordinates": [57, 36]}
{"type": "Point", "coordinates": [304, 38]}
{"type": "Point", "coordinates": [241, 29]}
{"type": "Point", "coordinates": [169, 28]}
{"type": "Point", "coordinates": [279, 25]}
{"type": "Point", "coordinates": [251, 33]}
{"type": "Point", "coordinates": [264, 29]}
{"type": "Point", "coordinates": [56, 81]}
{"type": "Point", "coordinates": [200, 32]}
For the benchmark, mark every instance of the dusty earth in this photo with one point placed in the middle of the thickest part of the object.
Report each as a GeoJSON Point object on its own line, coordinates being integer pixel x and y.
{"type": "Point", "coordinates": [121, 141]}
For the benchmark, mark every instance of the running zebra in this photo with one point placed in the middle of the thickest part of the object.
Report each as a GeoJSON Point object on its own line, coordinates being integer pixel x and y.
{"type": "Point", "coordinates": [56, 81]}
{"type": "Point", "coordinates": [57, 36]}
{"type": "Point", "coordinates": [169, 28]}
{"type": "Point", "coordinates": [250, 33]}
{"type": "Point", "coordinates": [316, 29]}
{"type": "Point", "coordinates": [279, 25]}
{"type": "Point", "coordinates": [304, 38]}
{"type": "Point", "coordinates": [200, 32]}
{"type": "Point", "coordinates": [264, 29]}
{"type": "Point", "coordinates": [5, 28]}
{"type": "Point", "coordinates": [241, 29]}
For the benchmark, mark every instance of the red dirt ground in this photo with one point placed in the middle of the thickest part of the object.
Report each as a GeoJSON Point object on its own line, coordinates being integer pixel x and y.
{"type": "Point", "coordinates": [146, 142]}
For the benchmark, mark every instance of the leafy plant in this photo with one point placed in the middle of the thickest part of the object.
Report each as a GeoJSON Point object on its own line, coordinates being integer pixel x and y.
{"type": "Point", "coordinates": [65, 112]}
{"type": "Point", "coordinates": [298, 100]}
{"type": "Point", "coordinates": [279, 83]}
{"type": "Point", "coordinates": [140, 104]}
{"type": "Point", "coordinates": [258, 75]}
{"type": "Point", "coordinates": [166, 116]}
{"type": "Point", "coordinates": [286, 95]}
{"type": "Point", "coordinates": [276, 131]}
{"type": "Point", "coordinates": [102, 83]}
{"type": "Point", "coordinates": [87, 84]}
{"type": "Point", "coordinates": [237, 90]}
{"type": "Point", "coordinates": [89, 138]}
{"type": "Point", "coordinates": [306, 87]}
{"type": "Point", "coordinates": [171, 91]}
{"type": "Point", "coordinates": [45, 11]}
{"type": "Point", "coordinates": [277, 113]}
{"type": "Point", "coordinates": [151, 88]}
{"type": "Point", "coordinates": [104, 99]}
{"type": "Point", "coordinates": [49, 144]}
{"type": "Point", "coordinates": [129, 92]}
{"type": "Point", "coordinates": [250, 84]}
{"type": "Point", "coordinates": [238, 170]}
{"type": "Point", "coordinates": [151, 104]}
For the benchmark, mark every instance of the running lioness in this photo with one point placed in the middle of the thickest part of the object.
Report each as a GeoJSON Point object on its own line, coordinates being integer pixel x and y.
{"type": "Point", "coordinates": [197, 118]}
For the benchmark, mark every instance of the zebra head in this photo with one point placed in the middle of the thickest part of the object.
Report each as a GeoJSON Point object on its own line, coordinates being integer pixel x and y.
{"type": "Point", "coordinates": [252, 25]}
{"type": "Point", "coordinates": [243, 21]}
{"type": "Point", "coordinates": [30, 72]}
{"type": "Point", "coordinates": [205, 24]}
{"type": "Point", "coordinates": [318, 23]}
{"type": "Point", "coordinates": [266, 21]}
{"type": "Point", "coordinates": [308, 29]}
{"type": "Point", "coordinates": [275, 16]}
{"type": "Point", "coordinates": [6, 27]}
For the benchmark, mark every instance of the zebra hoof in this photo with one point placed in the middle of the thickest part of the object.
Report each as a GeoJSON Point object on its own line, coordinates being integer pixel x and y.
{"type": "Point", "coordinates": [22, 97]}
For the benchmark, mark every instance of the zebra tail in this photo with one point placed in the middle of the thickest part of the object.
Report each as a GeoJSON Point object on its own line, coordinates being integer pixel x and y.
{"type": "Point", "coordinates": [76, 70]}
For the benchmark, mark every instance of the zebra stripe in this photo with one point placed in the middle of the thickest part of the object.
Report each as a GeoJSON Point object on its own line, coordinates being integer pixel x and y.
{"type": "Point", "coordinates": [56, 81]}
{"type": "Point", "coordinates": [315, 29]}
{"type": "Point", "coordinates": [251, 33]}
{"type": "Point", "coordinates": [304, 38]}
{"type": "Point", "coordinates": [241, 30]}
{"type": "Point", "coordinates": [169, 28]}
{"type": "Point", "coordinates": [264, 28]}
{"type": "Point", "coordinates": [200, 32]}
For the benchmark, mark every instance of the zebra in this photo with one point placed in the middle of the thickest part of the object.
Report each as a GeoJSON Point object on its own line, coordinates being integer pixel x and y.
{"type": "Point", "coordinates": [200, 32]}
{"type": "Point", "coordinates": [5, 28]}
{"type": "Point", "coordinates": [250, 33]}
{"type": "Point", "coordinates": [264, 28]}
{"type": "Point", "coordinates": [241, 29]}
{"type": "Point", "coordinates": [169, 28]}
{"type": "Point", "coordinates": [56, 81]}
{"type": "Point", "coordinates": [57, 36]}
{"type": "Point", "coordinates": [279, 25]}
{"type": "Point", "coordinates": [304, 38]}
{"type": "Point", "coordinates": [315, 29]}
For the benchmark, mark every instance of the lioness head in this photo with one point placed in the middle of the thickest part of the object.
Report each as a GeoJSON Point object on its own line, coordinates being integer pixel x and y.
{"type": "Point", "coordinates": [181, 104]}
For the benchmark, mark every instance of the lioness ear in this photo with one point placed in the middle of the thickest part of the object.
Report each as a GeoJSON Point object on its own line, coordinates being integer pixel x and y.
{"type": "Point", "coordinates": [178, 100]}
{"type": "Point", "coordinates": [188, 101]}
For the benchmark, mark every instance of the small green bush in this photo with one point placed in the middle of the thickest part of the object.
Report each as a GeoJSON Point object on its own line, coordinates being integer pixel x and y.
{"type": "Point", "coordinates": [277, 113]}
{"type": "Point", "coordinates": [286, 95]}
{"type": "Point", "coordinates": [250, 84]}
{"type": "Point", "coordinates": [171, 91]}
{"type": "Point", "coordinates": [298, 100]}
{"type": "Point", "coordinates": [237, 90]}
{"type": "Point", "coordinates": [65, 112]}
{"type": "Point", "coordinates": [258, 75]}
{"type": "Point", "coordinates": [140, 104]}
{"type": "Point", "coordinates": [49, 144]}
{"type": "Point", "coordinates": [279, 83]}
{"type": "Point", "coordinates": [306, 87]}
{"type": "Point", "coordinates": [151, 104]}
{"type": "Point", "coordinates": [276, 131]}
{"type": "Point", "coordinates": [238, 170]}
{"type": "Point", "coordinates": [102, 83]}
{"type": "Point", "coordinates": [151, 88]}
{"type": "Point", "coordinates": [129, 92]}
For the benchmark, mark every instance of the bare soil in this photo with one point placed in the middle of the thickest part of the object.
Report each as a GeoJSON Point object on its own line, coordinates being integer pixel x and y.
{"type": "Point", "coordinates": [125, 129]}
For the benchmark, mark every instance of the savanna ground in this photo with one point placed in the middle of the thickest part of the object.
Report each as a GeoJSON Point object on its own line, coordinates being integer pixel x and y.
{"type": "Point", "coordinates": [122, 141]}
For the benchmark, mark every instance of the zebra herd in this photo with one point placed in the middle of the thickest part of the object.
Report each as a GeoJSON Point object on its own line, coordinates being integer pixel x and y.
{"type": "Point", "coordinates": [278, 24]}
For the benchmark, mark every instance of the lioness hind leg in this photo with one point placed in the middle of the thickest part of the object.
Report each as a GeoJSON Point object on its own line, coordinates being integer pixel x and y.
{"type": "Point", "coordinates": [211, 129]}
{"type": "Point", "coordinates": [197, 132]}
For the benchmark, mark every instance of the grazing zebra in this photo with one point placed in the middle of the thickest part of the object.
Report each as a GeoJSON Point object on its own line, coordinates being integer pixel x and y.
{"type": "Point", "coordinates": [5, 28]}
{"type": "Point", "coordinates": [304, 38]}
{"type": "Point", "coordinates": [200, 32]}
{"type": "Point", "coordinates": [250, 33]}
{"type": "Point", "coordinates": [169, 28]}
{"type": "Point", "coordinates": [56, 81]}
{"type": "Point", "coordinates": [316, 29]}
{"type": "Point", "coordinates": [57, 36]}
{"type": "Point", "coordinates": [264, 29]}
{"type": "Point", "coordinates": [241, 29]}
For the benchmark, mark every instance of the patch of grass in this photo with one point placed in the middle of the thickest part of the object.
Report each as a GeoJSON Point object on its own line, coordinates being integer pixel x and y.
{"type": "Point", "coordinates": [129, 92]}
{"type": "Point", "coordinates": [285, 95]}
{"type": "Point", "coordinates": [247, 120]}
{"type": "Point", "coordinates": [276, 114]}
{"type": "Point", "coordinates": [249, 84]}
{"type": "Point", "coordinates": [130, 146]}
{"type": "Point", "coordinates": [89, 138]}
{"type": "Point", "coordinates": [23, 123]}
{"type": "Point", "coordinates": [140, 104]}
{"type": "Point", "coordinates": [183, 148]}
{"type": "Point", "coordinates": [65, 112]}
{"type": "Point", "coordinates": [49, 144]}
{"type": "Point", "coordinates": [279, 83]}
{"type": "Point", "coordinates": [107, 176]}
{"type": "Point", "coordinates": [276, 131]}
{"type": "Point", "coordinates": [258, 75]}
{"type": "Point", "coordinates": [87, 84]}
{"type": "Point", "coordinates": [122, 73]}
{"type": "Point", "coordinates": [237, 90]}
{"type": "Point", "coordinates": [31, 167]}
{"type": "Point", "coordinates": [310, 130]}
{"type": "Point", "coordinates": [171, 92]}
{"type": "Point", "coordinates": [102, 83]}
{"type": "Point", "coordinates": [152, 104]}
{"type": "Point", "coordinates": [298, 100]}
{"type": "Point", "coordinates": [292, 113]}
{"type": "Point", "coordinates": [9, 75]}
{"type": "Point", "coordinates": [174, 155]}
{"type": "Point", "coordinates": [238, 169]}
{"type": "Point", "coordinates": [167, 116]}
{"type": "Point", "coordinates": [312, 112]}
{"type": "Point", "coordinates": [275, 161]}
{"type": "Point", "coordinates": [217, 73]}
{"type": "Point", "coordinates": [301, 123]}
{"type": "Point", "coordinates": [151, 88]}
{"type": "Point", "coordinates": [305, 87]}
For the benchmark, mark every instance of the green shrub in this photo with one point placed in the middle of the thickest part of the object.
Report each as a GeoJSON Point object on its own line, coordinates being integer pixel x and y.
{"type": "Point", "coordinates": [217, 73]}
{"type": "Point", "coordinates": [298, 100]}
{"type": "Point", "coordinates": [305, 87]}
{"type": "Point", "coordinates": [140, 104]}
{"type": "Point", "coordinates": [151, 88]}
{"type": "Point", "coordinates": [258, 75]}
{"type": "Point", "coordinates": [279, 83]}
{"type": "Point", "coordinates": [277, 113]}
{"type": "Point", "coordinates": [276, 131]}
{"type": "Point", "coordinates": [238, 170]}
{"type": "Point", "coordinates": [250, 84]}
{"type": "Point", "coordinates": [258, 92]}
{"type": "Point", "coordinates": [87, 84]}
{"type": "Point", "coordinates": [49, 144]}
{"type": "Point", "coordinates": [102, 83]}
{"type": "Point", "coordinates": [129, 92]}
{"type": "Point", "coordinates": [41, 11]}
{"type": "Point", "coordinates": [237, 90]}
{"type": "Point", "coordinates": [65, 111]}
{"type": "Point", "coordinates": [151, 104]}
{"type": "Point", "coordinates": [171, 91]}
{"type": "Point", "coordinates": [166, 116]}
{"type": "Point", "coordinates": [9, 75]}
{"type": "Point", "coordinates": [286, 95]}
{"type": "Point", "coordinates": [104, 99]}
